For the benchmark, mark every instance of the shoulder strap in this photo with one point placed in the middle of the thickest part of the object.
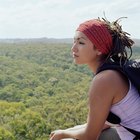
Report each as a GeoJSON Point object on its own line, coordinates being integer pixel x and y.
{"type": "Point", "coordinates": [112, 118]}
{"type": "Point", "coordinates": [110, 65]}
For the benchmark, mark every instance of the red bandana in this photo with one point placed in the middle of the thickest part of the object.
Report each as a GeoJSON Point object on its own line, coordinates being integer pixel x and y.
{"type": "Point", "coordinates": [98, 34]}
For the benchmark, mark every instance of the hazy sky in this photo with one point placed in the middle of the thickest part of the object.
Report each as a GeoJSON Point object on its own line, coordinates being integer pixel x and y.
{"type": "Point", "coordinates": [60, 18]}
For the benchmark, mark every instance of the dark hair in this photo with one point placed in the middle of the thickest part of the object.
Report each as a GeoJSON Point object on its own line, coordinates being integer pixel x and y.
{"type": "Point", "coordinates": [121, 41]}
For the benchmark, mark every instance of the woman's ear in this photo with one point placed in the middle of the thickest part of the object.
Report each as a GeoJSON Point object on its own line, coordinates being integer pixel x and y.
{"type": "Point", "coordinates": [99, 53]}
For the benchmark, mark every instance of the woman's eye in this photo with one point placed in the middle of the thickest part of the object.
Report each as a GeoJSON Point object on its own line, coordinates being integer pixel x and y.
{"type": "Point", "coordinates": [81, 43]}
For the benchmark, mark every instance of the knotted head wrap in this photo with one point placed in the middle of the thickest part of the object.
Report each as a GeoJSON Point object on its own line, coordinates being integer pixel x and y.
{"type": "Point", "coordinates": [97, 32]}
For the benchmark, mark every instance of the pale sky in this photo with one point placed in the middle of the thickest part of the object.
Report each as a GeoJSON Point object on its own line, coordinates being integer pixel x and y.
{"type": "Point", "coordinates": [60, 18]}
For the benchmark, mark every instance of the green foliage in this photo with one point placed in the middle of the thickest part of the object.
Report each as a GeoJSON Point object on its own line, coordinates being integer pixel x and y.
{"type": "Point", "coordinates": [5, 134]}
{"type": "Point", "coordinates": [41, 90]}
{"type": "Point", "coordinates": [10, 111]}
{"type": "Point", "coordinates": [32, 127]}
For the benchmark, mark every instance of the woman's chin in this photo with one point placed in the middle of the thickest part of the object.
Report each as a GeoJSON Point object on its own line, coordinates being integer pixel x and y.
{"type": "Point", "coordinates": [78, 62]}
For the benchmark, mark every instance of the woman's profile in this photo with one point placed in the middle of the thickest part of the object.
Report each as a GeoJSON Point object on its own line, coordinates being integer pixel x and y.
{"type": "Point", "coordinates": [96, 41]}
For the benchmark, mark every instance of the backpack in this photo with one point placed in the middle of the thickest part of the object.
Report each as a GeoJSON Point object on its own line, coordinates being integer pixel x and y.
{"type": "Point", "coordinates": [131, 70]}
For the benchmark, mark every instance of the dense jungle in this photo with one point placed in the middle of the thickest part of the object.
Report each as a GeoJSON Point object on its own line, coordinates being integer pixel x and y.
{"type": "Point", "coordinates": [41, 89]}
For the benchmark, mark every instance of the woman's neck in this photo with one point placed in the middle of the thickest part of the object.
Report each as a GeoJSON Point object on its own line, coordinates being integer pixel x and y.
{"type": "Point", "coordinates": [94, 66]}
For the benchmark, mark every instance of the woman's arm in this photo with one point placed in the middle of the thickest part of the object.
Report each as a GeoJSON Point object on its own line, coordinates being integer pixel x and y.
{"type": "Point", "coordinates": [77, 127]}
{"type": "Point", "coordinates": [62, 133]}
{"type": "Point", "coordinates": [106, 126]}
{"type": "Point", "coordinates": [101, 95]}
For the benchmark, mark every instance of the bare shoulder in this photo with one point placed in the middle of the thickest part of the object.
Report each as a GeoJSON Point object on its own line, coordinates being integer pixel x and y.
{"type": "Point", "coordinates": [109, 83]}
{"type": "Point", "coordinates": [107, 78]}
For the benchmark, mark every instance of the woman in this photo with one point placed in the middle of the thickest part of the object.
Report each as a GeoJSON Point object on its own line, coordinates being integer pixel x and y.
{"type": "Point", "coordinates": [97, 41]}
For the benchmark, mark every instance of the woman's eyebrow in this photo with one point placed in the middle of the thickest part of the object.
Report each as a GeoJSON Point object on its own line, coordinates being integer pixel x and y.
{"type": "Point", "coordinates": [77, 38]}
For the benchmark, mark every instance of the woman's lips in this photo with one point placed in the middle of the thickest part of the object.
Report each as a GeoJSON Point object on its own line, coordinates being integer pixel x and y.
{"type": "Point", "coordinates": [75, 55]}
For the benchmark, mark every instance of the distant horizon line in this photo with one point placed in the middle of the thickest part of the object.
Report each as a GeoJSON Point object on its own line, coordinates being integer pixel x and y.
{"type": "Point", "coordinates": [43, 38]}
{"type": "Point", "coordinates": [37, 38]}
{"type": "Point", "coordinates": [48, 40]}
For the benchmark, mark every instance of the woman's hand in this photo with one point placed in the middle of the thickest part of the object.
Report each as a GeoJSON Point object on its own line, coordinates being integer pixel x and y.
{"type": "Point", "coordinates": [67, 133]}
{"type": "Point", "coordinates": [57, 135]}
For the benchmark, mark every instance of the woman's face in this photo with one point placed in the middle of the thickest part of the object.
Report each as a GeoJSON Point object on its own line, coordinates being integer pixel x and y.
{"type": "Point", "coordinates": [83, 49]}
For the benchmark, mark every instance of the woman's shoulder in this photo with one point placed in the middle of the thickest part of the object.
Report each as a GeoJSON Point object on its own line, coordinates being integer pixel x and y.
{"type": "Point", "coordinates": [110, 83]}
{"type": "Point", "coordinates": [106, 81]}
{"type": "Point", "coordinates": [108, 76]}
{"type": "Point", "coordinates": [111, 78]}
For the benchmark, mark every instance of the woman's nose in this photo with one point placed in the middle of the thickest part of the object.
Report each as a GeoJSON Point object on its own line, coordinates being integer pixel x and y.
{"type": "Point", "coordinates": [74, 47]}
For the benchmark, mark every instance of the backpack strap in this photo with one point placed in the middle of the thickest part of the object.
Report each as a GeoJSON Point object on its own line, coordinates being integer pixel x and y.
{"type": "Point", "coordinates": [110, 65]}
{"type": "Point", "coordinates": [112, 118]}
